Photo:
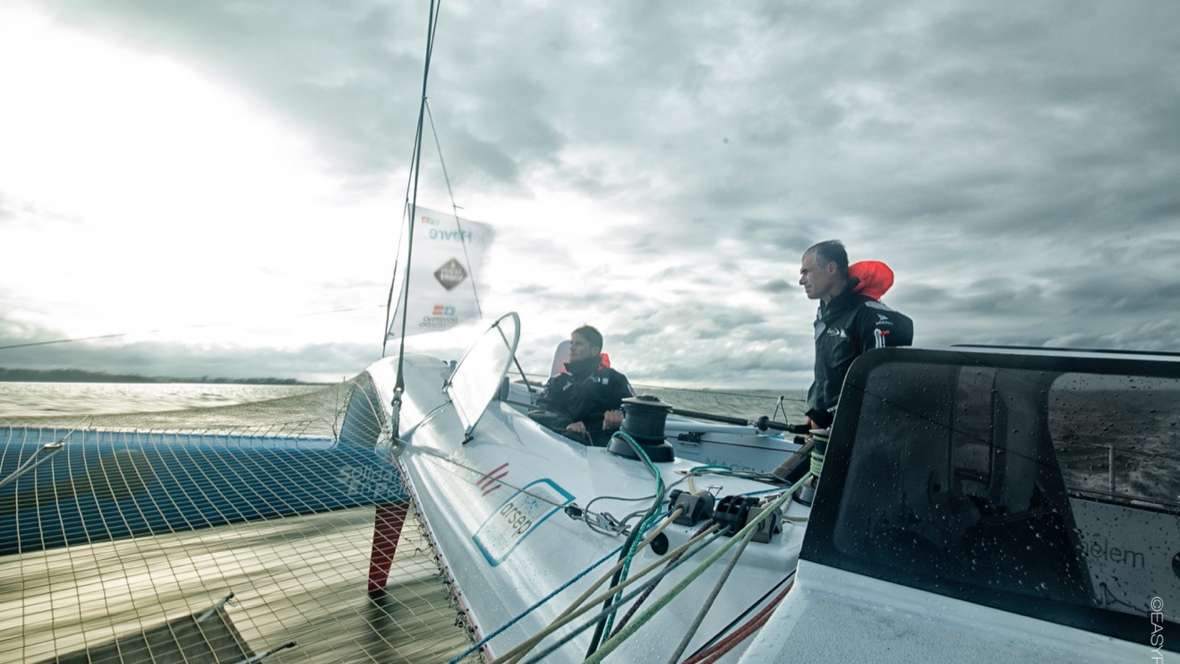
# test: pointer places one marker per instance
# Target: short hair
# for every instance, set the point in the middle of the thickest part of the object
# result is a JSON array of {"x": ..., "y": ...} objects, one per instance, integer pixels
[
  {"x": 593, "y": 336},
  {"x": 830, "y": 251}
]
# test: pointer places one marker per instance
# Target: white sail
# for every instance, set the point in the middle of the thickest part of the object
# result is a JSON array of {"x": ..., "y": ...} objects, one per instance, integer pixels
[{"x": 445, "y": 284}]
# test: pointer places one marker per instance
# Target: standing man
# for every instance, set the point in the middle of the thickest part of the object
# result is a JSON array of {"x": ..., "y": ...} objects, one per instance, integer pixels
[
  {"x": 589, "y": 394},
  {"x": 848, "y": 323}
]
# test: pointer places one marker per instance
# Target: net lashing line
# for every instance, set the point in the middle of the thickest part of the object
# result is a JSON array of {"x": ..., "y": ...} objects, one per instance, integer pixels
[{"x": 127, "y": 531}]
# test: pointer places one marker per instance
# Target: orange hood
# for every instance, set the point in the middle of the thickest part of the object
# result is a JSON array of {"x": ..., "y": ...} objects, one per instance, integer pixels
[{"x": 875, "y": 278}]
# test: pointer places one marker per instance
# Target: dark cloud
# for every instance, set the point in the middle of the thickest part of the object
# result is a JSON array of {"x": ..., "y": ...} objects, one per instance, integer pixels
[
  {"x": 1016, "y": 166},
  {"x": 777, "y": 286},
  {"x": 995, "y": 121}
]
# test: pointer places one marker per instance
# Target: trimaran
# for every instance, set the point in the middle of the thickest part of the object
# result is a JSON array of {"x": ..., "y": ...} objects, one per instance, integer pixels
[
  {"x": 969, "y": 504},
  {"x": 954, "y": 509}
]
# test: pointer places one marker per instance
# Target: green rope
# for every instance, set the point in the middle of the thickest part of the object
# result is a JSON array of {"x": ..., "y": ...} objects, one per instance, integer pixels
[
  {"x": 818, "y": 452},
  {"x": 817, "y": 463},
  {"x": 744, "y": 534},
  {"x": 644, "y": 526}
]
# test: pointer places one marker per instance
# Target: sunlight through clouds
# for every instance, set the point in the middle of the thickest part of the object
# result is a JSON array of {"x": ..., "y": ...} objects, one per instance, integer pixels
[{"x": 173, "y": 202}]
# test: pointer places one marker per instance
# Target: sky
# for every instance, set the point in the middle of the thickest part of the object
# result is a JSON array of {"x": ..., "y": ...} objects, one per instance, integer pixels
[{"x": 220, "y": 184}]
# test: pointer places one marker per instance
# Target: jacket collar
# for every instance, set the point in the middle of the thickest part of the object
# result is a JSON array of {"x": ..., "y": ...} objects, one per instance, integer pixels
[
  {"x": 584, "y": 366},
  {"x": 845, "y": 300}
]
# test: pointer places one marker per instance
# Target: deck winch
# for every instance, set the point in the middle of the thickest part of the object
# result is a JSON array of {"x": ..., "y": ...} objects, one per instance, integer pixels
[{"x": 643, "y": 419}]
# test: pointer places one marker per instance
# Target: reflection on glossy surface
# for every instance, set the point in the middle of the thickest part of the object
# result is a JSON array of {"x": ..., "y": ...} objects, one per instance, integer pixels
[{"x": 479, "y": 374}]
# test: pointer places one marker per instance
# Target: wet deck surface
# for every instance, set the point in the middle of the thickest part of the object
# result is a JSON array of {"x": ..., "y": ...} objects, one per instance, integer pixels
[{"x": 300, "y": 579}]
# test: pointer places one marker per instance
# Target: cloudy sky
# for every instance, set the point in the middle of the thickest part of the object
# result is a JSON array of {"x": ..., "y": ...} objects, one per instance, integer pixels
[{"x": 220, "y": 183}]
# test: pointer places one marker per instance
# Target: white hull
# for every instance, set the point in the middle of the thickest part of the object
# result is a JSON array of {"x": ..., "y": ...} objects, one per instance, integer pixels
[{"x": 504, "y": 559}]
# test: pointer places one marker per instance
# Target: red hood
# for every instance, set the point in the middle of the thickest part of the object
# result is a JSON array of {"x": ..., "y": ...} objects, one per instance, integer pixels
[{"x": 875, "y": 278}]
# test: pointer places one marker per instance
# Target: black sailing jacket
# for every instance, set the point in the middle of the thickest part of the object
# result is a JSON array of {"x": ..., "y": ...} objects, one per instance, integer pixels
[
  {"x": 586, "y": 393},
  {"x": 849, "y": 325}
]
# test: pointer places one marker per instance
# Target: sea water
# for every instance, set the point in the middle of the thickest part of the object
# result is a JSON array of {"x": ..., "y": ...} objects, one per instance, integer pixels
[
  {"x": 37, "y": 399},
  {"x": 43, "y": 399}
]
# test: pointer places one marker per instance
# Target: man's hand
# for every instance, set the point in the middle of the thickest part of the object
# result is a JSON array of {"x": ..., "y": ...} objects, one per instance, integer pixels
[
  {"x": 577, "y": 427},
  {"x": 611, "y": 419}
]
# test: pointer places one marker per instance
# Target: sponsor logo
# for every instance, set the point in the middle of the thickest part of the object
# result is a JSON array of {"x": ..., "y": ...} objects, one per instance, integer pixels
[
  {"x": 518, "y": 516},
  {"x": 491, "y": 479},
  {"x": 1102, "y": 549},
  {"x": 450, "y": 274},
  {"x": 437, "y": 322},
  {"x": 447, "y": 236},
  {"x": 442, "y": 310},
  {"x": 837, "y": 332},
  {"x": 367, "y": 481}
]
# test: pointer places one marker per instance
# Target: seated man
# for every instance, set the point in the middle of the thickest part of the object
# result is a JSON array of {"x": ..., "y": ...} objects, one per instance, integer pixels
[{"x": 587, "y": 395}]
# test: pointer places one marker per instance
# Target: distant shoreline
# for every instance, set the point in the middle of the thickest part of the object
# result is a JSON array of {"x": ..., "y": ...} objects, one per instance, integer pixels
[{"x": 81, "y": 376}]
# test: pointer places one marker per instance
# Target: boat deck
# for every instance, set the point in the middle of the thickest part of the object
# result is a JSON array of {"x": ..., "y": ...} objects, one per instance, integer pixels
[{"x": 299, "y": 579}]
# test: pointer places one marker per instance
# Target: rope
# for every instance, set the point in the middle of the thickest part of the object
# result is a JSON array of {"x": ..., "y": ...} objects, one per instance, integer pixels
[
  {"x": 817, "y": 463},
  {"x": 608, "y": 623},
  {"x": 587, "y": 599},
  {"x": 434, "y": 454},
  {"x": 635, "y": 606},
  {"x": 744, "y": 534},
  {"x": 699, "y": 543},
  {"x": 538, "y": 604},
  {"x": 721, "y": 632},
  {"x": 714, "y": 653},
  {"x": 708, "y": 604}
]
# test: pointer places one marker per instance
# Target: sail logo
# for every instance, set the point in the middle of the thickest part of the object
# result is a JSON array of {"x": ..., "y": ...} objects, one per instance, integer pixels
[
  {"x": 450, "y": 274},
  {"x": 458, "y": 236},
  {"x": 442, "y": 317}
]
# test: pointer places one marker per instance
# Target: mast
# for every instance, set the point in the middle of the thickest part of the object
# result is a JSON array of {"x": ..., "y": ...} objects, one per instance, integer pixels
[{"x": 415, "y": 169}]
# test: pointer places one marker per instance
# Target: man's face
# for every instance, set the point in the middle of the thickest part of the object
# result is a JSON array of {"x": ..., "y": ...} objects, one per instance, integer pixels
[
  {"x": 581, "y": 349},
  {"x": 816, "y": 281}
]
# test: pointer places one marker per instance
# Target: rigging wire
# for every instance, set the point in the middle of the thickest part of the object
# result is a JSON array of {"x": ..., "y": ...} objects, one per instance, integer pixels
[
  {"x": 431, "y": 27},
  {"x": 455, "y": 210},
  {"x": 397, "y": 256}
]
